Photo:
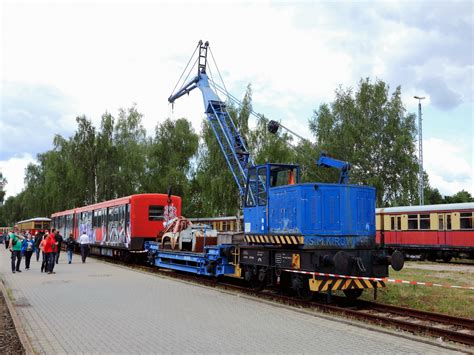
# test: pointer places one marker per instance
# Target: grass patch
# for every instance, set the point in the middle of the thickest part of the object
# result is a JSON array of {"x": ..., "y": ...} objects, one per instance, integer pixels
[
  {"x": 10, "y": 294},
  {"x": 455, "y": 302}
]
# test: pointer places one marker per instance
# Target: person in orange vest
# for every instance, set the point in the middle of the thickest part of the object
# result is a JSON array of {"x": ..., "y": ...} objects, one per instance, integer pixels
[{"x": 49, "y": 248}]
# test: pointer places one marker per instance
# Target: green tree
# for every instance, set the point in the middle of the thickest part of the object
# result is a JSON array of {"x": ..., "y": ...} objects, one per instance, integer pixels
[
  {"x": 267, "y": 147},
  {"x": 214, "y": 190},
  {"x": 459, "y": 197},
  {"x": 3, "y": 183},
  {"x": 131, "y": 146},
  {"x": 432, "y": 196},
  {"x": 371, "y": 129},
  {"x": 169, "y": 159},
  {"x": 107, "y": 160}
]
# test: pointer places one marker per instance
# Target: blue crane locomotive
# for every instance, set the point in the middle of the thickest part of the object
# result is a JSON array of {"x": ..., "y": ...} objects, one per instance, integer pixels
[{"x": 294, "y": 233}]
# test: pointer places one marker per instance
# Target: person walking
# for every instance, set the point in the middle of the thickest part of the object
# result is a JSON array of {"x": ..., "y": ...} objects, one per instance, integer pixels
[
  {"x": 6, "y": 240},
  {"x": 70, "y": 246},
  {"x": 39, "y": 236},
  {"x": 54, "y": 249},
  {"x": 84, "y": 242},
  {"x": 49, "y": 248},
  {"x": 27, "y": 249},
  {"x": 44, "y": 256},
  {"x": 15, "y": 248},
  {"x": 59, "y": 239}
]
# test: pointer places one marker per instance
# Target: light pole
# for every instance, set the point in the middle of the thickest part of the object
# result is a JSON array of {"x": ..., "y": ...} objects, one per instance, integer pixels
[{"x": 420, "y": 151}]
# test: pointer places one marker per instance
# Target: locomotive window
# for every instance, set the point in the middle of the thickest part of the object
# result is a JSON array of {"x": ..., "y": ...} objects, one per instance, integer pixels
[
  {"x": 251, "y": 190},
  {"x": 466, "y": 220},
  {"x": 262, "y": 182},
  {"x": 155, "y": 213},
  {"x": 282, "y": 175},
  {"x": 425, "y": 221},
  {"x": 412, "y": 221}
]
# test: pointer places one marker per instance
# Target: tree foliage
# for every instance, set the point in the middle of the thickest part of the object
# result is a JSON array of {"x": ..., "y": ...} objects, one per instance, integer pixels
[
  {"x": 368, "y": 127},
  {"x": 3, "y": 182},
  {"x": 371, "y": 129}
]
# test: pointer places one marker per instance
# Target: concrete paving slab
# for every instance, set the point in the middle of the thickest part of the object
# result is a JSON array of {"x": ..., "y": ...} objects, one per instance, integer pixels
[{"x": 98, "y": 307}]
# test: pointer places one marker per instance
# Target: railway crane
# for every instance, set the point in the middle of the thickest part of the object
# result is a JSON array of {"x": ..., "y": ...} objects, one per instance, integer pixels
[{"x": 295, "y": 233}]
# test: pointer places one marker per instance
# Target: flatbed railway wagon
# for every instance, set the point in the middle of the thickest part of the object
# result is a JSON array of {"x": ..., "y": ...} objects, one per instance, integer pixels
[
  {"x": 119, "y": 227},
  {"x": 431, "y": 232},
  {"x": 33, "y": 225}
]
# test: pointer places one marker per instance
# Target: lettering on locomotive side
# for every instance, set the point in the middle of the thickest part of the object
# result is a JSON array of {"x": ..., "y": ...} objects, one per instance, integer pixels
[
  {"x": 339, "y": 242},
  {"x": 284, "y": 259},
  {"x": 255, "y": 257}
]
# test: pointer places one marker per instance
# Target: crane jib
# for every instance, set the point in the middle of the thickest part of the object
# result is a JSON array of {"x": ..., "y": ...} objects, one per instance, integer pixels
[{"x": 230, "y": 140}]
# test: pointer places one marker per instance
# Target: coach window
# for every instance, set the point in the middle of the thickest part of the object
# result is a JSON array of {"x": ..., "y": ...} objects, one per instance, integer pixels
[
  {"x": 441, "y": 222},
  {"x": 392, "y": 223},
  {"x": 448, "y": 222},
  {"x": 425, "y": 221},
  {"x": 412, "y": 221},
  {"x": 155, "y": 213},
  {"x": 466, "y": 220}
]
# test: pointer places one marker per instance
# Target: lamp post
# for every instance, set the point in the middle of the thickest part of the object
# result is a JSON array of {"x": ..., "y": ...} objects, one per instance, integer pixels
[{"x": 420, "y": 151}]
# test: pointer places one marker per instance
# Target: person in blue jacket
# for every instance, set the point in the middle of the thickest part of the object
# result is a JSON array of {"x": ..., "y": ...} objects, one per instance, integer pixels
[{"x": 27, "y": 249}]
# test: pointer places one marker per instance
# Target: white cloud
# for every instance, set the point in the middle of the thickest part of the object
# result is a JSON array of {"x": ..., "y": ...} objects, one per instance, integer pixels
[
  {"x": 105, "y": 55},
  {"x": 447, "y": 166},
  {"x": 13, "y": 170}
]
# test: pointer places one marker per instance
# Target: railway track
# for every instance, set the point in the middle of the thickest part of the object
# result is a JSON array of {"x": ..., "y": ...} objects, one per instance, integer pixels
[{"x": 449, "y": 328}]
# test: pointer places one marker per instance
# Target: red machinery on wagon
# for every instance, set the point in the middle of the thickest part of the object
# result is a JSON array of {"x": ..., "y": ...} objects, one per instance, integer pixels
[
  {"x": 431, "y": 231},
  {"x": 119, "y": 226}
]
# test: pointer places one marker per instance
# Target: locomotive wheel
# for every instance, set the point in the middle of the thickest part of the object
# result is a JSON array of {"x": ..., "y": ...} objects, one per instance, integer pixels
[
  {"x": 447, "y": 258},
  {"x": 256, "y": 285},
  {"x": 301, "y": 286},
  {"x": 256, "y": 279},
  {"x": 305, "y": 293},
  {"x": 353, "y": 294}
]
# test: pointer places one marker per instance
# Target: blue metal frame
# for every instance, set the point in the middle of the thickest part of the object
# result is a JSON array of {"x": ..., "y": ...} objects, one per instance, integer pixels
[
  {"x": 213, "y": 262},
  {"x": 327, "y": 162}
]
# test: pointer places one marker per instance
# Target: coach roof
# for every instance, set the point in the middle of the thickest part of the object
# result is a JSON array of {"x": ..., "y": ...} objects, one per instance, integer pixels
[{"x": 428, "y": 208}]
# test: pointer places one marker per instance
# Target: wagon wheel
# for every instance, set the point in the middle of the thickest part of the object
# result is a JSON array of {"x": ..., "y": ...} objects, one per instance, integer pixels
[
  {"x": 353, "y": 294},
  {"x": 447, "y": 258},
  {"x": 166, "y": 243}
]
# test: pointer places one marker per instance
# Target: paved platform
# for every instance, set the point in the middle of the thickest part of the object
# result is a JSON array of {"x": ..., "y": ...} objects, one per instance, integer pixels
[{"x": 101, "y": 308}]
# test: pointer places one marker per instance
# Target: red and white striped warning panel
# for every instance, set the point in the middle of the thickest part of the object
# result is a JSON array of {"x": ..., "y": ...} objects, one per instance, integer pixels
[{"x": 379, "y": 279}]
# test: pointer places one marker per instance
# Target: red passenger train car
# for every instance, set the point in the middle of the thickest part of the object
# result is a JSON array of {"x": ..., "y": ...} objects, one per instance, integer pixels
[
  {"x": 431, "y": 231},
  {"x": 119, "y": 226}
]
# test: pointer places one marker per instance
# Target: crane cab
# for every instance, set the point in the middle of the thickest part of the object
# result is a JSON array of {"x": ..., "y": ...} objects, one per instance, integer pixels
[{"x": 260, "y": 180}]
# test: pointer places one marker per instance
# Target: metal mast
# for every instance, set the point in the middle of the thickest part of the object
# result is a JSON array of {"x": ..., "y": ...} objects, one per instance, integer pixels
[{"x": 420, "y": 151}]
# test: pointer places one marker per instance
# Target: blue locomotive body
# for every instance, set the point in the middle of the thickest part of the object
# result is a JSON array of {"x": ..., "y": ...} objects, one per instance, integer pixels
[{"x": 318, "y": 215}]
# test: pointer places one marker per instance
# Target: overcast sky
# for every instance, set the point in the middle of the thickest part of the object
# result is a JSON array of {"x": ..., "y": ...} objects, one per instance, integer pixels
[{"x": 62, "y": 59}]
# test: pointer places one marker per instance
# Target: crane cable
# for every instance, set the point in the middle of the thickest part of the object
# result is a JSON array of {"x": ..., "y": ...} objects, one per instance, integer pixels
[{"x": 186, "y": 67}]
